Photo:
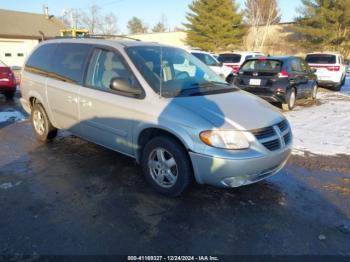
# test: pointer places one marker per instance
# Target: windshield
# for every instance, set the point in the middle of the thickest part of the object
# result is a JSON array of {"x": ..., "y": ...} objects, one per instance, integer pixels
[
  {"x": 179, "y": 73},
  {"x": 230, "y": 58},
  {"x": 206, "y": 59},
  {"x": 321, "y": 59},
  {"x": 262, "y": 65}
]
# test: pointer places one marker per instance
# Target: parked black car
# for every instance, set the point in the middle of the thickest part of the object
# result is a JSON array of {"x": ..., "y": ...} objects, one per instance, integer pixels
[{"x": 282, "y": 79}]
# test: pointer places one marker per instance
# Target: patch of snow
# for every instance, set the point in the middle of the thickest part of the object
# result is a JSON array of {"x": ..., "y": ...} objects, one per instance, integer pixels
[
  {"x": 11, "y": 116},
  {"x": 9, "y": 185},
  {"x": 324, "y": 128}
]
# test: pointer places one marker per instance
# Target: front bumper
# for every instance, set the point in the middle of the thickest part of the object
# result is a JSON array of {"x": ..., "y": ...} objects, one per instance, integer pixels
[{"x": 235, "y": 172}]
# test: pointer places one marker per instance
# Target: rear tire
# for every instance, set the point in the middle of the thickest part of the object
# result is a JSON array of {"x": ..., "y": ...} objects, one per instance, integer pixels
[
  {"x": 290, "y": 99},
  {"x": 42, "y": 126},
  {"x": 10, "y": 95},
  {"x": 230, "y": 79},
  {"x": 314, "y": 92},
  {"x": 166, "y": 166},
  {"x": 337, "y": 87}
]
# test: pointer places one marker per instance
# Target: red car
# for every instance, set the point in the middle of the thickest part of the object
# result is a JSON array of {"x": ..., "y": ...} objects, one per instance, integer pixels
[{"x": 8, "y": 81}]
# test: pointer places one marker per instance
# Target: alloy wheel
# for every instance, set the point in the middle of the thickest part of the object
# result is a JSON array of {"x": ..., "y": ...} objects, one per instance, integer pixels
[{"x": 163, "y": 168}]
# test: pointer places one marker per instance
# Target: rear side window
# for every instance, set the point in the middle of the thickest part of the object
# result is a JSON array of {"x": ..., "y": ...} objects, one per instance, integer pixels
[
  {"x": 321, "y": 59},
  {"x": 229, "y": 58},
  {"x": 262, "y": 65},
  {"x": 39, "y": 61},
  {"x": 68, "y": 62}
]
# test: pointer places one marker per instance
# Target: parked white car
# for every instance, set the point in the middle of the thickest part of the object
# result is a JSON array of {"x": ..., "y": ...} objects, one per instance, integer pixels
[
  {"x": 236, "y": 59},
  {"x": 209, "y": 59},
  {"x": 330, "y": 69}
]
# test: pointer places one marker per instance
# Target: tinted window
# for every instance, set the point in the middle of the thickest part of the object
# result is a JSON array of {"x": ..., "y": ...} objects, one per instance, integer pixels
[
  {"x": 295, "y": 65},
  {"x": 304, "y": 66},
  {"x": 262, "y": 65},
  {"x": 40, "y": 58},
  {"x": 230, "y": 58},
  {"x": 206, "y": 59},
  {"x": 68, "y": 62},
  {"x": 321, "y": 59},
  {"x": 106, "y": 65}
]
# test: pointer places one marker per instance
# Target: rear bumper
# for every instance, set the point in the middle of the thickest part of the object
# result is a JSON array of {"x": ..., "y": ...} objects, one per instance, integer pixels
[
  {"x": 327, "y": 83},
  {"x": 26, "y": 106},
  {"x": 7, "y": 87},
  {"x": 270, "y": 95}
]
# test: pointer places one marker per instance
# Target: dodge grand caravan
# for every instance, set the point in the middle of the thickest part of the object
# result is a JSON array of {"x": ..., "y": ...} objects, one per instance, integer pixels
[{"x": 131, "y": 97}]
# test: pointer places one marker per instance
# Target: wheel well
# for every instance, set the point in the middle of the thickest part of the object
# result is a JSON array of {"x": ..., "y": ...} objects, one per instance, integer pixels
[
  {"x": 150, "y": 133},
  {"x": 32, "y": 101}
]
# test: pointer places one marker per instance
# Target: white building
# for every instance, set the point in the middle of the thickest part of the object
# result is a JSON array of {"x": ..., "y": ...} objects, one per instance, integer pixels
[{"x": 20, "y": 32}]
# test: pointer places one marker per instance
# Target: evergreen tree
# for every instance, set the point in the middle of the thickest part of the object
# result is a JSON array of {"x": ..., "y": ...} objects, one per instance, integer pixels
[
  {"x": 136, "y": 26},
  {"x": 161, "y": 26},
  {"x": 325, "y": 25},
  {"x": 214, "y": 25}
]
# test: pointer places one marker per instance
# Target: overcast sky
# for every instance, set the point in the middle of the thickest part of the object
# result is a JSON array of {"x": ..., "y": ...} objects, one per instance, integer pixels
[{"x": 149, "y": 10}]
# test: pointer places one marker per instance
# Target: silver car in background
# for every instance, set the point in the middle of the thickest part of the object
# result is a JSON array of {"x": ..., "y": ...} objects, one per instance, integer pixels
[{"x": 159, "y": 105}]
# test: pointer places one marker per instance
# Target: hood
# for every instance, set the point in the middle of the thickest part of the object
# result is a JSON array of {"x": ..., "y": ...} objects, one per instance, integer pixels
[{"x": 236, "y": 110}]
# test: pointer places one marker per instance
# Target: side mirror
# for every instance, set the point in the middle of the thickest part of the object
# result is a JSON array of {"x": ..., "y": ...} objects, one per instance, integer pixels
[
  {"x": 122, "y": 85},
  {"x": 313, "y": 70}
]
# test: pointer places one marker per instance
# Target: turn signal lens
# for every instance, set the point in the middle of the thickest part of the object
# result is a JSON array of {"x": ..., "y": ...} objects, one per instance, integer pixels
[{"x": 233, "y": 140}]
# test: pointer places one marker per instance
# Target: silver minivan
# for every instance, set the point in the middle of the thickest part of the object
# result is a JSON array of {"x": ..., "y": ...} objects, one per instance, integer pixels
[{"x": 159, "y": 105}]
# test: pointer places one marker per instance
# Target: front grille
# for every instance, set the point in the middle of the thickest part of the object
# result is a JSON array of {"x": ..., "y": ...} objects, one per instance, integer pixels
[
  {"x": 283, "y": 125},
  {"x": 273, "y": 144},
  {"x": 274, "y": 137},
  {"x": 264, "y": 132}
]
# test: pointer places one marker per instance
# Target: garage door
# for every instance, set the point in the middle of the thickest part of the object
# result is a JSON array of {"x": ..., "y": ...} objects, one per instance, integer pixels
[{"x": 13, "y": 53}]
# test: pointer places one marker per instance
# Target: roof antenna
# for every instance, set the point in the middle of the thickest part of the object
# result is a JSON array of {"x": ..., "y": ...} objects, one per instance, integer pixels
[{"x": 161, "y": 72}]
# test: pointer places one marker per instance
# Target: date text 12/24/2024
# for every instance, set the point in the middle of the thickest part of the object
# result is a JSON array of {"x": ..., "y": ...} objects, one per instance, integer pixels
[{"x": 173, "y": 258}]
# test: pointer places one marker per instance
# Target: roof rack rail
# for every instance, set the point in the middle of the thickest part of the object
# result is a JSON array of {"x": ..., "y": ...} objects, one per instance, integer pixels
[{"x": 98, "y": 36}]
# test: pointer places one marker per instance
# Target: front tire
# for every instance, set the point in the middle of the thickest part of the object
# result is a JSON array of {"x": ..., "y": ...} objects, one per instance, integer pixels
[
  {"x": 166, "y": 166},
  {"x": 290, "y": 100},
  {"x": 42, "y": 126}
]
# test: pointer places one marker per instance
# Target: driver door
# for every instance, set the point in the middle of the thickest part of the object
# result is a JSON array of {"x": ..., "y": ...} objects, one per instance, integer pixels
[{"x": 106, "y": 116}]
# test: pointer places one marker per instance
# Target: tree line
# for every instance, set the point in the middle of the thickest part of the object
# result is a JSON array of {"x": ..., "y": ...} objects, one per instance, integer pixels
[
  {"x": 216, "y": 25},
  {"x": 99, "y": 23}
]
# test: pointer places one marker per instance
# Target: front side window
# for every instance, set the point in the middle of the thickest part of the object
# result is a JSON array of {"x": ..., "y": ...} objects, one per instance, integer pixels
[
  {"x": 174, "y": 72},
  {"x": 105, "y": 65}
]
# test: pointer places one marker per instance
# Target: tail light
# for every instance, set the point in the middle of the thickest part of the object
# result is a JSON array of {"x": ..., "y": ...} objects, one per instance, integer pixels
[
  {"x": 235, "y": 68},
  {"x": 283, "y": 74},
  {"x": 333, "y": 68}
]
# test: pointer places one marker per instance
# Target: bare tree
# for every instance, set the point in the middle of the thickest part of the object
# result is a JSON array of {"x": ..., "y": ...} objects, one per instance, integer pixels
[
  {"x": 91, "y": 19},
  {"x": 109, "y": 25},
  {"x": 260, "y": 15}
]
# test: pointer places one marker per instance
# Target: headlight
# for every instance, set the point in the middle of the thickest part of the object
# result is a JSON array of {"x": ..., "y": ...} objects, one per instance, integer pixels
[{"x": 224, "y": 139}]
